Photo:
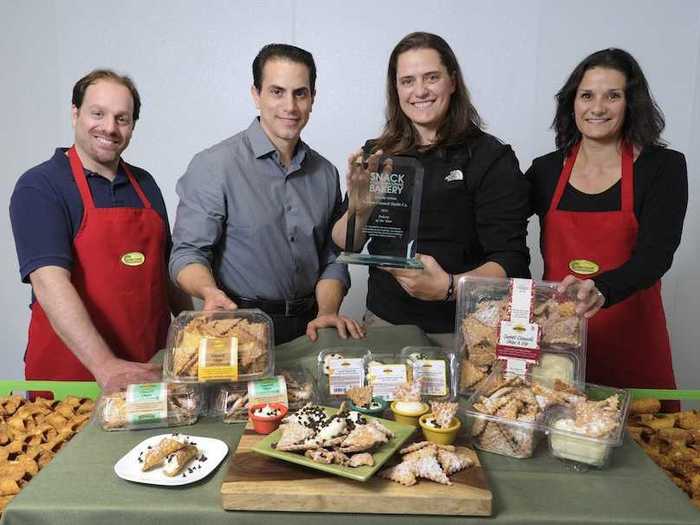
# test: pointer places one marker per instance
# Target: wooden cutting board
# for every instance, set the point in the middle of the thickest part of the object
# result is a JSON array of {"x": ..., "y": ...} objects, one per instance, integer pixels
[{"x": 256, "y": 482}]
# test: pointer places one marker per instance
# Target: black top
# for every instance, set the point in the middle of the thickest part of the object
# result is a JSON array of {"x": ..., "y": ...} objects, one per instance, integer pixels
[
  {"x": 473, "y": 210},
  {"x": 660, "y": 201}
]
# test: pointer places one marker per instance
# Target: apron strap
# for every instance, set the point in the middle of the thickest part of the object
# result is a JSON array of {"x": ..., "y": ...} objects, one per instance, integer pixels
[
  {"x": 565, "y": 175},
  {"x": 80, "y": 179},
  {"x": 137, "y": 187},
  {"x": 627, "y": 182}
]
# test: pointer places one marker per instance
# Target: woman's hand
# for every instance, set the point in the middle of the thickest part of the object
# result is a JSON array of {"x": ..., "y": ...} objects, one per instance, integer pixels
[
  {"x": 357, "y": 182},
  {"x": 428, "y": 284},
  {"x": 588, "y": 298}
]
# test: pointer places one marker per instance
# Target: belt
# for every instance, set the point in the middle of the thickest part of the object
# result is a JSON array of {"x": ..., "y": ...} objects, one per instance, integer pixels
[{"x": 289, "y": 308}]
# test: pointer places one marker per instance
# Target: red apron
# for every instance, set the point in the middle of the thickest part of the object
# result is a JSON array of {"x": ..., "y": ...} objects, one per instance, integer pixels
[
  {"x": 119, "y": 273},
  {"x": 628, "y": 344}
]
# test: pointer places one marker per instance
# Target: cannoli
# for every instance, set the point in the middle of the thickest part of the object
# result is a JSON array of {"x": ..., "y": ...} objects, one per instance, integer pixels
[
  {"x": 179, "y": 460},
  {"x": 155, "y": 457}
]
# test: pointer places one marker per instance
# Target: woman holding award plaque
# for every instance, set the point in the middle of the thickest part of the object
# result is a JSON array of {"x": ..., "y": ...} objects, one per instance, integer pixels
[{"x": 474, "y": 204}]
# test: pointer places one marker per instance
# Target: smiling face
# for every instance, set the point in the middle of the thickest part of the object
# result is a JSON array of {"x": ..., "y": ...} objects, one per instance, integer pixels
[
  {"x": 284, "y": 100},
  {"x": 599, "y": 107},
  {"x": 424, "y": 88},
  {"x": 103, "y": 126}
]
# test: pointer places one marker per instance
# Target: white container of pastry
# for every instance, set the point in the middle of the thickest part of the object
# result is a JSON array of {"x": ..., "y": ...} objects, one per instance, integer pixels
[
  {"x": 438, "y": 367},
  {"x": 587, "y": 435},
  {"x": 219, "y": 346},
  {"x": 482, "y": 305},
  {"x": 340, "y": 369},
  {"x": 151, "y": 405}
]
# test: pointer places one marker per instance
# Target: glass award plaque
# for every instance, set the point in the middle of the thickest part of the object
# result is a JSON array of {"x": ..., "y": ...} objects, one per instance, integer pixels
[{"x": 383, "y": 211}]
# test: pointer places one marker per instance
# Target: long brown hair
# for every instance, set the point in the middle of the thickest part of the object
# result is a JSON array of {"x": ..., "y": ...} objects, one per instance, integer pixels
[{"x": 462, "y": 120}]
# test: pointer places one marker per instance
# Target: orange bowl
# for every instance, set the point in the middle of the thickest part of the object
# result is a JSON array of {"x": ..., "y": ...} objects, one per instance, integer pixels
[{"x": 266, "y": 424}]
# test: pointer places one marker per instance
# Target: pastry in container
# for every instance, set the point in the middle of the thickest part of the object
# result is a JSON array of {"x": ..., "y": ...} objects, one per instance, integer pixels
[
  {"x": 219, "y": 346},
  {"x": 435, "y": 368},
  {"x": 339, "y": 370},
  {"x": 150, "y": 405},
  {"x": 503, "y": 416},
  {"x": 484, "y": 303},
  {"x": 587, "y": 432}
]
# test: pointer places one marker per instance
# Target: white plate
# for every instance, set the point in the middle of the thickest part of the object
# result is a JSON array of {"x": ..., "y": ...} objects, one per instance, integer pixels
[{"x": 211, "y": 453}]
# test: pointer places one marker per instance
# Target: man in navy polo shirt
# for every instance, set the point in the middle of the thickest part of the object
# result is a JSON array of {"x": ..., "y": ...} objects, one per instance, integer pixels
[{"x": 92, "y": 238}]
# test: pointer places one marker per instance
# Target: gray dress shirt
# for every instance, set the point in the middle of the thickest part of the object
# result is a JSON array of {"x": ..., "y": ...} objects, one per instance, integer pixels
[{"x": 265, "y": 232}]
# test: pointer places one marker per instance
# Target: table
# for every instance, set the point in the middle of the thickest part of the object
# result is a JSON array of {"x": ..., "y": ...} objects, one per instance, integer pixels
[{"x": 79, "y": 487}]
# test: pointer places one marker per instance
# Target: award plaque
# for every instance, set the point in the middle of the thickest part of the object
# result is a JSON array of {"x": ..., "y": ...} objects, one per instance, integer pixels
[{"x": 383, "y": 211}]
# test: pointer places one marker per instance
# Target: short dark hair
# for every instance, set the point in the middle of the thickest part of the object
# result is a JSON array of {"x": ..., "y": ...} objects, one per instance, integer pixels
[
  {"x": 462, "y": 119},
  {"x": 284, "y": 52},
  {"x": 644, "y": 120},
  {"x": 106, "y": 74}
]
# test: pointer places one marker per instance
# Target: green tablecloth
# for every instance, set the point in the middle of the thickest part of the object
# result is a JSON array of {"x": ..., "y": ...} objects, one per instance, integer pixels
[{"x": 79, "y": 487}]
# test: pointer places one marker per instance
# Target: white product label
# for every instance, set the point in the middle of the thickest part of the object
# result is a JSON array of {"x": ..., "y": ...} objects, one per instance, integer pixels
[
  {"x": 345, "y": 374},
  {"x": 432, "y": 373},
  {"x": 385, "y": 379}
]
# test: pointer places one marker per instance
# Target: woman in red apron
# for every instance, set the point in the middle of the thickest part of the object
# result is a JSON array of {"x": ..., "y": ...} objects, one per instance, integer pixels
[
  {"x": 611, "y": 203},
  {"x": 119, "y": 274}
]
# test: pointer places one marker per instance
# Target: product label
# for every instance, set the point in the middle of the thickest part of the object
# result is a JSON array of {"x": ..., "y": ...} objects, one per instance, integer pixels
[
  {"x": 345, "y": 374},
  {"x": 385, "y": 379},
  {"x": 268, "y": 390},
  {"x": 218, "y": 359},
  {"x": 433, "y": 376},
  {"x": 518, "y": 337},
  {"x": 146, "y": 403}
]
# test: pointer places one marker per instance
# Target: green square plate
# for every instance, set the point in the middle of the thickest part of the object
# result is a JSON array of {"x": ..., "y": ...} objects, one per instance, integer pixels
[{"x": 402, "y": 433}]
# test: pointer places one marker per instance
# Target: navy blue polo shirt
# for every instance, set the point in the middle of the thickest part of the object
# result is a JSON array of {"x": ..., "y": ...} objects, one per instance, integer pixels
[{"x": 46, "y": 209}]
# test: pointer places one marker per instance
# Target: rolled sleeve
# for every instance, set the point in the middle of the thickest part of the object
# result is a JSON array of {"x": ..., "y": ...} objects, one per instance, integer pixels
[
  {"x": 200, "y": 217},
  {"x": 502, "y": 208}
]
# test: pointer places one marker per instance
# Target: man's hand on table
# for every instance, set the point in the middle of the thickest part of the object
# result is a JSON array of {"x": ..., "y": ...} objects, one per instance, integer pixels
[{"x": 343, "y": 324}]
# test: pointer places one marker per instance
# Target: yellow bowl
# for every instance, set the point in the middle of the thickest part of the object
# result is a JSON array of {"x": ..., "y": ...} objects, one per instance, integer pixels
[
  {"x": 408, "y": 418},
  {"x": 441, "y": 436}
]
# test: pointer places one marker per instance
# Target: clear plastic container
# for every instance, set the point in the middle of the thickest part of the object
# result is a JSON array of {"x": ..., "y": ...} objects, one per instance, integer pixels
[
  {"x": 340, "y": 369},
  {"x": 591, "y": 442},
  {"x": 206, "y": 337},
  {"x": 152, "y": 405},
  {"x": 438, "y": 369},
  {"x": 482, "y": 304},
  {"x": 510, "y": 430},
  {"x": 301, "y": 388},
  {"x": 229, "y": 402}
]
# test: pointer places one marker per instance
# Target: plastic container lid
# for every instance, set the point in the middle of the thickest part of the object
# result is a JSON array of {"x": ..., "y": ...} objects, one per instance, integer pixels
[
  {"x": 201, "y": 344},
  {"x": 482, "y": 304},
  {"x": 438, "y": 368},
  {"x": 340, "y": 369}
]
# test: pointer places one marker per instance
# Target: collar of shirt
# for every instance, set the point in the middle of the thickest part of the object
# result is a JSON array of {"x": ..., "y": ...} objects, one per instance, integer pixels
[
  {"x": 118, "y": 180},
  {"x": 263, "y": 146}
]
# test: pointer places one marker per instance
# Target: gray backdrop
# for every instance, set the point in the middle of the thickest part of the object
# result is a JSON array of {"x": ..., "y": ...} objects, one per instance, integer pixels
[{"x": 191, "y": 61}]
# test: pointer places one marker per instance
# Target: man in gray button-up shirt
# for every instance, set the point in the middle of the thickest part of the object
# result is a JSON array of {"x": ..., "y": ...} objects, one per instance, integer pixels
[{"x": 255, "y": 213}]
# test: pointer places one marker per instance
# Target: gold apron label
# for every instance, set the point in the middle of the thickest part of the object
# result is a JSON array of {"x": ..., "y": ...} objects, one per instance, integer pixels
[
  {"x": 133, "y": 259},
  {"x": 583, "y": 267}
]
